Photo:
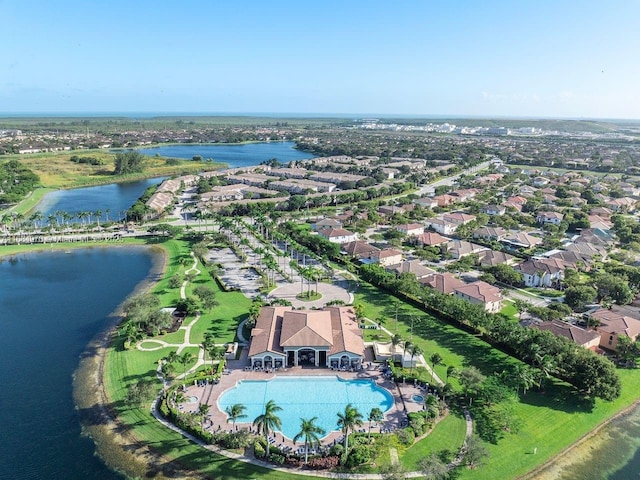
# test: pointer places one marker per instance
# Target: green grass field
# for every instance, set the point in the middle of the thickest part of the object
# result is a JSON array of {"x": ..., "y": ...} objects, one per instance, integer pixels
[{"x": 551, "y": 420}]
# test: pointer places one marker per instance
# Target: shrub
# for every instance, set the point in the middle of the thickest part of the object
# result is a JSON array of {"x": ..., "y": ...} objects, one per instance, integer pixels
[
  {"x": 337, "y": 450},
  {"x": 326, "y": 463},
  {"x": 258, "y": 449},
  {"x": 277, "y": 458},
  {"x": 406, "y": 436},
  {"x": 358, "y": 455}
]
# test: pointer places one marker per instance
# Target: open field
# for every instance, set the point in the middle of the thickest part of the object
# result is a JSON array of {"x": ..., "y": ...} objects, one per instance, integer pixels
[{"x": 56, "y": 170}]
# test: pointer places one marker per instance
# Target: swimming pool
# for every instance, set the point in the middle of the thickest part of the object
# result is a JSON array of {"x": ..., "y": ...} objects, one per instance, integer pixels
[{"x": 306, "y": 397}]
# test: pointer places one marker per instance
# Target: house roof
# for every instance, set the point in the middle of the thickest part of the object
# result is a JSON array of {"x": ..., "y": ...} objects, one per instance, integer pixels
[
  {"x": 533, "y": 266},
  {"x": 489, "y": 232},
  {"x": 481, "y": 291},
  {"x": 411, "y": 266},
  {"x": 332, "y": 327},
  {"x": 493, "y": 257},
  {"x": 386, "y": 253},
  {"x": 618, "y": 321},
  {"x": 522, "y": 239},
  {"x": 335, "y": 232},
  {"x": 442, "y": 282},
  {"x": 431, "y": 238},
  {"x": 302, "y": 328},
  {"x": 577, "y": 335},
  {"x": 358, "y": 249},
  {"x": 458, "y": 217}
]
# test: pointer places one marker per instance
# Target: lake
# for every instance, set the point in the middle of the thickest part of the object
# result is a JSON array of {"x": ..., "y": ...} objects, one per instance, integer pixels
[
  {"x": 53, "y": 304},
  {"x": 243, "y": 155},
  {"x": 116, "y": 197}
]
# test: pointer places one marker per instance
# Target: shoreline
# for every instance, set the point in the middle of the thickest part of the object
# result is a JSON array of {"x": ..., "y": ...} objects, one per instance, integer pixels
[
  {"x": 575, "y": 452},
  {"x": 115, "y": 444}
]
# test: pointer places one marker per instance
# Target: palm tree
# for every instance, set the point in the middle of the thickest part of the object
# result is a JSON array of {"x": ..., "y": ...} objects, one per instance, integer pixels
[
  {"x": 310, "y": 432},
  {"x": 268, "y": 422},
  {"x": 451, "y": 372},
  {"x": 415, "y": 350},
  {"x": 436, "y": 359},
  {"x": 375, "y": 415},
  {"x": 347, "y": 420},
  {"x": 235, "y": 412},
  {"x": 185, "y": 359}
]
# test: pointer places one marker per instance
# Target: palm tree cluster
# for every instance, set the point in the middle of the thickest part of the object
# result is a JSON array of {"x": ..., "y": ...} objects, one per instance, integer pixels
[{"x": 310, "y": 433}]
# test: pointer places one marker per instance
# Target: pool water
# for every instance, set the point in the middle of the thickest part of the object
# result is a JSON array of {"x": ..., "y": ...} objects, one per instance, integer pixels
[
  {"x": 306, "y": 397},
  {"x": 418, "y": 398}
]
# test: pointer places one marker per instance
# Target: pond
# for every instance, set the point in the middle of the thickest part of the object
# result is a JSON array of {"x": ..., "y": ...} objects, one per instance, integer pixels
[{"x": 241, "y": 155}]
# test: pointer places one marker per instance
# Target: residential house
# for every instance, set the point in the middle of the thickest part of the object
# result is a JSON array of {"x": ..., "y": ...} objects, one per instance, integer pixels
[
  {"x": 622, "y": 205},
  {"x": 489, "y": 233},
  {"x": 442, "y": 282},
  {"x": 411, "y": 266},
  {"x": 326, "y": 223},
  {"x": 521, "y": 240},
  {"x": 458, "y": 218},
  {"x": 481, "y": 293},
  {"x": 553, "y": 218},
  {"x": 491, "y": 258},
  {"x": 429, "y": 239},
  {"x": 359, "y": 249},
  {"x": 542, "y": 272},
  {"x": 494, "y": 210},
  {"x": 446, "y": 200},
  {"x": 461, "y": 248},
  {"x": 585, "y": 338},
  {"x": 387, "y": 256},
  {"x": 411, "y": 229},
  {"x": 440, "y": 226},
  {"x": 615, "y": 323},
  {"x": 338, "y": 235}
]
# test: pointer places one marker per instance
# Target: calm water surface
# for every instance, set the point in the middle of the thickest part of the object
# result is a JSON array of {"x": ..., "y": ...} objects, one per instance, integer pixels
[
  {"x": 117, "y": 197},
  {"x": 52, "y": 304},
  {"x": 245, "y": 155}
]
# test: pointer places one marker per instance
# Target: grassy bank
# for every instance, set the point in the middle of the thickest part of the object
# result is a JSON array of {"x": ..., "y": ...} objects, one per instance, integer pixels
[{"x": 56, "y": 170}]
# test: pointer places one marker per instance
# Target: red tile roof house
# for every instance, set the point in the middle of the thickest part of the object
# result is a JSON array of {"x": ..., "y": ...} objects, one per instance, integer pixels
[
  {"x": 338, "y": 235},
  {"x": 430, "y": 239},
  {"x": 442, "y": 282},
  {"x": 481, "y": 293},
  {"x": 615, "y": 323},
  {"x": 284, "y": 337}
]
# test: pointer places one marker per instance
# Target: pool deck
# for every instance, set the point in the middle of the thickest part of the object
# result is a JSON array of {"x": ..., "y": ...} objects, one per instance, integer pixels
[{"x": 209, "y": 394}]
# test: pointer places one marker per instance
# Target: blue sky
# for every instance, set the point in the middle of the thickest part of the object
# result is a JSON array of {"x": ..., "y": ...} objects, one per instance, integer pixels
[{"x": 577, "y": 59}]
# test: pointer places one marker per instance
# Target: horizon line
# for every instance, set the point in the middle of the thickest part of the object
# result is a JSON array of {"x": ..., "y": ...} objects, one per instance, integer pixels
[{"x": 311, "y": 115}]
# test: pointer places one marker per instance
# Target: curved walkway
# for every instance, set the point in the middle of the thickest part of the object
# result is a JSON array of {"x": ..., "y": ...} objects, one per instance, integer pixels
[{"x": 186, "y": 342}]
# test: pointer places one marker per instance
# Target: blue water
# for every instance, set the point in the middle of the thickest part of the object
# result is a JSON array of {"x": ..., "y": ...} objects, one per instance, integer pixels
[
  {"x": 244, "y": 155},
  {"x": 51, "y": 305},
  {"x": 306, "y": 397},
  {"x": 117, "y": 197}
]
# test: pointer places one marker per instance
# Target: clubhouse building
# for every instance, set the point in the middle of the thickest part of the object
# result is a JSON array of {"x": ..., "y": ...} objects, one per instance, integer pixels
[{"x": 284, "y": 337}]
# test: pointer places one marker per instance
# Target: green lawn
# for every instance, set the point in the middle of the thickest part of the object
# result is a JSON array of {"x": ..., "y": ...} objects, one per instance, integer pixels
[
  {"x": 551, "y": 420},
  {"x": 509, "y": 310},
  {"x": 448, "y": 434}
]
